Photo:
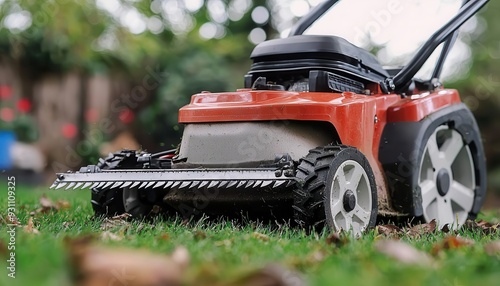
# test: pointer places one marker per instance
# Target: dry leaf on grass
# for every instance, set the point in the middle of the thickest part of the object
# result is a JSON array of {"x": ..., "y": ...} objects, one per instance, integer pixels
[
  {"x": 316, "y": 257},
  {"x": 100, "y": 266},
  {"x": 492, "y": 248},
  {"x": 272, "y": 275},
  {"x": 403, "y": 252},
  {"x": 337, "y": 239},
  {"x": 47, "y": 205},
  {"x": 483, "y": 226},
  {"x": 451, "y": 242},
  {"x": 3, "y": 249},
  {"x": 225, "y": 242},
  {"x": 30, "y": 227},
  {"x": 389, "y": 230},
  {"x": 260, "y": 236},
  {"x": 422, "y": 229},
  {"x": 116, "y": 221},
  {"x": 199, "y": 235},
  {"x": 12, "y": 219},
  {"x": 106, "y": 235}
]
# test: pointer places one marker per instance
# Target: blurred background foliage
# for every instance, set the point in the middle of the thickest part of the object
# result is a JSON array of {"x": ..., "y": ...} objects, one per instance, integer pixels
[{"x": 197, "y": 45}]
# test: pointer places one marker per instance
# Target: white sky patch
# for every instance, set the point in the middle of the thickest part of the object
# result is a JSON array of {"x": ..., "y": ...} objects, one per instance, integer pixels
[
  {"x": 314, "y": 2},
  {"x": 106, "y": 41},
  {"x": 208, "y": 30},
  {"x": 396, "y": 25},
  {"x": 113, "y": 7},
  {"x": 257, "y": 36},
  {"x": 217, "y": 11},
  {"x": 133, "y": 20},
  {"x": 299, "y": 8},
  {"x": 193, "y": 5},
  {"x": 156, "y": 6},
  {"x": 260, "y": 15},
  {"x": 155, "y": 25},
  {"x": 238, "y": 8},
  {"x": 18, "y": 21}
]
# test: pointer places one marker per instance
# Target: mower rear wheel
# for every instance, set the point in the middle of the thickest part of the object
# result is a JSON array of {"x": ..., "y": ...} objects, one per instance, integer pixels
[
  {"x": 339, "y": 190},
  {"x": 447, "y": 178}
]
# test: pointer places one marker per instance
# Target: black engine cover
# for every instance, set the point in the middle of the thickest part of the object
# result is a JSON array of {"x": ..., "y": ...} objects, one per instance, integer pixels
[{"x": 295, "y": 56}]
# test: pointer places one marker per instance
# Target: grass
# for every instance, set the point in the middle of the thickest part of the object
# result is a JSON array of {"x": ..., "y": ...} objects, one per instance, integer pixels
[{"x": 222, "y": 251}]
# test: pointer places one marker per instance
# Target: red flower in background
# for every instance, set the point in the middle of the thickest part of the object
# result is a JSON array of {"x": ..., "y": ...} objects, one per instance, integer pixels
[
  {"x": 69, "y": 130},
  {"x": 7, "y": 114},
  {"x": 24, "y": 105},
  {"x": 91, "y": 115},
  {"x": 126, "y": 116},
  {"x": 5, "y": 92}
]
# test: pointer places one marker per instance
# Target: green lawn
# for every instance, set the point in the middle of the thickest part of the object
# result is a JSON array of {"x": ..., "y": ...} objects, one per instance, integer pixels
[{"x": 224, "y": 252}]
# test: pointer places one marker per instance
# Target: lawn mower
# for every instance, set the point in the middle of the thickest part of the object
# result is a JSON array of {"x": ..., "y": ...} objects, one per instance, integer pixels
[{"x": 321, "y": 133}]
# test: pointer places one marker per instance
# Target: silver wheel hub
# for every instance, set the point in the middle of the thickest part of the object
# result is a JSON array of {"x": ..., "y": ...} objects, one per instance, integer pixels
[
  {"x": 350, "y": 198},
  {"x": 447, "y": 179}
]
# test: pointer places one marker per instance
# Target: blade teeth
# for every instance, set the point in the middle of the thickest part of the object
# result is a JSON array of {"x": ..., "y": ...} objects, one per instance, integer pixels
[
  {"x": 257, "y": 184},
  {"x": 86, "y": 185},
  {"x": 71, "y": 185},
  {"x": 204, "y": 183},
  {"x": 77, "y": 185},
  {"x": 53, "y": 185},
  {"x": 106, "y": 185},
  {"x": 232, "y": 184},
  {"x": 94, "y": 185},
  {"x": 150, "y": 184},
  {"x": 223, "y": 183},
  {"x": 135, "y": 184},
  {"x": 176, "y": 183},
  {"x": 241, "y": 184},
  {"x": 194, "y": 184},
  {"x": 101, "y": 184},
  {"x": 278, "y": 183},
  {"x": 116, "y": 185},
  {"x": 126, "y": 184},
  {"x": 290, "y": 183},
  {"x": 61, "y": 185},
  {"x": 213, "y": 184},
  {"x": 159, "y": 184},
  {"x": 143, "y": 185},
  {"x": 184, "y": 184},
  {"x": 249, "y": 184},
  {"x": 169, "y": 183},
  {"x": 266, "y": 183}
]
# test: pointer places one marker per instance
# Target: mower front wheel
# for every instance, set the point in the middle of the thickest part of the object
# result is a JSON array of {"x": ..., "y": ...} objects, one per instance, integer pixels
[
  {"x": 107, "y": 203},
  {"x": 338, "y": 191},
  {"x": 136, "y": 202}
]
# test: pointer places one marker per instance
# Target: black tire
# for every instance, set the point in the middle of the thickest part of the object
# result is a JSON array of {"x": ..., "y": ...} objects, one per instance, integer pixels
[
  {"x": 312, "y": 200},
  {"x": 402, "y": 150},
  {"x": 137, "y": 204},
  {"x": 107, "y": 203}
]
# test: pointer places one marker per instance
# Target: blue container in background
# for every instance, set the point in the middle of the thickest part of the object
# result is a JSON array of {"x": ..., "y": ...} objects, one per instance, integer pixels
[{"x": 7, "y": 138}]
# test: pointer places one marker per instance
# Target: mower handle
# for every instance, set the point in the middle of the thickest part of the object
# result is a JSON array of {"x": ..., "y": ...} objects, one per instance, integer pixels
[{"x": 409, "y": 71}]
